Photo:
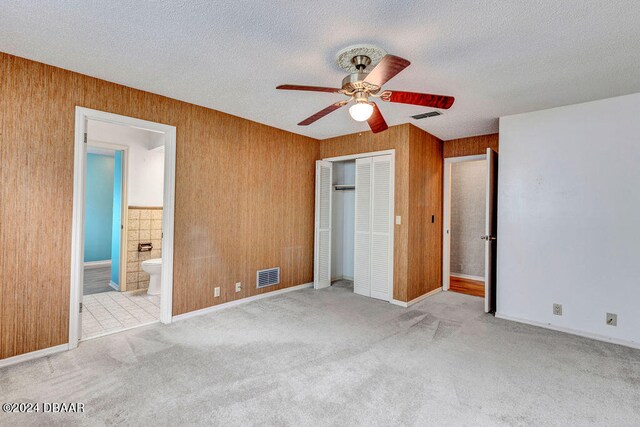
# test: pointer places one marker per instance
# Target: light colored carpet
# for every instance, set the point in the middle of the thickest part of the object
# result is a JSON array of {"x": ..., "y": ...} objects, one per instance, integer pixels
[{"x": 331, "y": 357}]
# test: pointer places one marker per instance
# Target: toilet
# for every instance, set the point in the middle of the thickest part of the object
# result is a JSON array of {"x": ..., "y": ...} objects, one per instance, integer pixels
[{"x": 154, "y": 268}]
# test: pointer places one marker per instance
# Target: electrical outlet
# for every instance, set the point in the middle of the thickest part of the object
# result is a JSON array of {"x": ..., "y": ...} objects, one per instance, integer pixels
[
  {"x": 557, "y": 309},
  {"x": 238, "y": 286},
  {"x": 216, "y": 291},
  {"x": 612, "y": 319}
]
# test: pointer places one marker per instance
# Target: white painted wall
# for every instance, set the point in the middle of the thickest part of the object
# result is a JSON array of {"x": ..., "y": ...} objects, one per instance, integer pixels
[
  {"x": 343, "y": 217},
  {"x": 569, "y": 217},
  {"x": 146, "y": 160}
]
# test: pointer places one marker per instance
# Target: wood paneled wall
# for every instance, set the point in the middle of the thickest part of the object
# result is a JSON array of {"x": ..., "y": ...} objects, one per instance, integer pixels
[
  {"x": 418, "y": 193},
  {"x": 244, "y": 198},
  {"x": 470, "y": 146},
  {"x": 425, "y": 201}
]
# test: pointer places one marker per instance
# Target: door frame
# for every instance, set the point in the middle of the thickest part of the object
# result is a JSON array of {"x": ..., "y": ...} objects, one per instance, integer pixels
[
  {"x": 446, "y": 220},
  {"x": 392, "y": 199},
  {"x": 82, "y": 115},
  {"x": 123, "y": 204}
]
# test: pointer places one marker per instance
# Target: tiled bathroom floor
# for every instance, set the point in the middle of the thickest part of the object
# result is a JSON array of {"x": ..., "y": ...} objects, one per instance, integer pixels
[{"x": 108, "y": 312}]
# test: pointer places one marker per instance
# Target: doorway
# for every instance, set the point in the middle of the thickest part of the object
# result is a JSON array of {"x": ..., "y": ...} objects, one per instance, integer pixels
[
  {"x": 469, "y": 226},
  {"x": 123, "y": 204},
  {"x": 353, "y": 246}
]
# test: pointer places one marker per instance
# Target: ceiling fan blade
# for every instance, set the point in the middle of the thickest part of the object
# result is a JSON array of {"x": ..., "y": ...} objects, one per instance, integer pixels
[
  {"x": 320, "y": 114},
  {"x": 309, "y": 88},
  {"x": 386, "y": 69},
  {"x": 376, "y": 121},
  {"x": 424, "y": 99}
]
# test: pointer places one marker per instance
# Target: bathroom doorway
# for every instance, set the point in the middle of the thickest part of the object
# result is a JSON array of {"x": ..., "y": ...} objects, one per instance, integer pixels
[{"x": 122, "y": 253}]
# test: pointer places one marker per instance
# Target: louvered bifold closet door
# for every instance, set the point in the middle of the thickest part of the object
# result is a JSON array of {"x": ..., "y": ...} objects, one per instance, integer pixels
[
  {"x": 322, "y": 241},
  {"x": 381, "y": 223},
  {"x": 362, "y": 240}
]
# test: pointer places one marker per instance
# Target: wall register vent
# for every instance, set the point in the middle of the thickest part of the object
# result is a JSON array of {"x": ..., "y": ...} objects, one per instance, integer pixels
[
  {"x": 268, "y": 277},
  {"x": 425, "y": 115}
]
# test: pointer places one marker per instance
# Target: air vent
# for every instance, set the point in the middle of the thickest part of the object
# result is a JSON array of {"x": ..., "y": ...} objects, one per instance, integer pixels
[
  {"x": 425, "y": 115},
  {"x": 268, "y": 277}
]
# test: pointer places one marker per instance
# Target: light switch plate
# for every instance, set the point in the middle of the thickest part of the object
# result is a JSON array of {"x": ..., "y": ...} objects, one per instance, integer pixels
[
  {"x": 398, "y": 220},
  {"x": 612, "y": 319},
  {"x": 216, "y": 291},
  {"x": 238, "y": 286}
]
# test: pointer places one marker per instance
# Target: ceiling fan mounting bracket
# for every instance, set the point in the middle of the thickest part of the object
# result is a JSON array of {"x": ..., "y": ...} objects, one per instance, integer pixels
[
  {"x": 351, "y": 58},
  {"x": 361, "y": 62}
]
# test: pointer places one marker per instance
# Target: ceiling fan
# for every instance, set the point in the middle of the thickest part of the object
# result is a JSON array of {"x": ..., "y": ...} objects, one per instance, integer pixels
[{"x": 362, "y": 84}]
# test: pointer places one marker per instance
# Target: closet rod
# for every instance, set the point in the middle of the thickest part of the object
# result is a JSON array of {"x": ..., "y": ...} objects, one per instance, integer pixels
[{"x": 342, "y": 187}]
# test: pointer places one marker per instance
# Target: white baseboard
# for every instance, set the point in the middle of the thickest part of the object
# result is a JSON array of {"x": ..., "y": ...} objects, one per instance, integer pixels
[
  {"x": 415, "y": 300},
  {"x": 33, "y": 355},
  {"x": 97, "y": 264},
  {"x": 596, "y": 337},
  {"x": 114, "y": 286},
  {"x": 467, "y": 276},
  {"x": 240, "y": 301}
]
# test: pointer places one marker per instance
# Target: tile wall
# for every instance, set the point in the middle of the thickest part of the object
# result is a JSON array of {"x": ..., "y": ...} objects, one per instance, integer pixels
[{"x": 144, "y": 226}]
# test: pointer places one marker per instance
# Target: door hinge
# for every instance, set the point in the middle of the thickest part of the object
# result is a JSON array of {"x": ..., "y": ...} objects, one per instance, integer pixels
[
  {"x": 80, "y": 307},
  {"x": 85, "y": 137}
]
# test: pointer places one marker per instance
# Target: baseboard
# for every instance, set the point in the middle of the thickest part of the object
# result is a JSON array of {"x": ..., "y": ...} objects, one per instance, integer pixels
[
  {"x": 114, "y": 286},
  {"x": 240, "y": 301},
  {"x": 579, "y": 333},
  {"x": 415, "y": 300},
  {"x": 33, "y": 355},
  {"x": 97, "y": 264},
  {"x": 467, "y": 276}
]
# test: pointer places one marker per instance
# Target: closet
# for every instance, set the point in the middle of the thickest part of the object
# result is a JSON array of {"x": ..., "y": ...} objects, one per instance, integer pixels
[{"x": 354, "y": 224}]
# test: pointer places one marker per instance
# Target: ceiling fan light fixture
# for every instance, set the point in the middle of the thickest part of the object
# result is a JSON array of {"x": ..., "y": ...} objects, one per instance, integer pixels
[{"x": 361, "y": 111}]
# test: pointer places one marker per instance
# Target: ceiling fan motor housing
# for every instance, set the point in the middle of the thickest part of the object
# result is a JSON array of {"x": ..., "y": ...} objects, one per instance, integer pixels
[{"x": 355, "y": 83}]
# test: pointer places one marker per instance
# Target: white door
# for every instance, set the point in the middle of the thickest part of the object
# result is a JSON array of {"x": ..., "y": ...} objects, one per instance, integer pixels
[
  {"x": 381, "y": 223},
  {"x": 490, "y": 232},
  {"x": 322, "y": 240},
  {"x": 362, "y": 239}
]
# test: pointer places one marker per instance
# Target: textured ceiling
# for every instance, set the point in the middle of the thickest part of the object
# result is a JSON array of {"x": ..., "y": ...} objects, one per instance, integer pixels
[{"x": 496, "y": 57}]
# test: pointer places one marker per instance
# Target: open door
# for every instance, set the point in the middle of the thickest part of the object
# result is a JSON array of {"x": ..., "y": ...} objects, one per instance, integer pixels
[
  {"x": 322, "y": 241},
  {"x": 490, "y": 233}
]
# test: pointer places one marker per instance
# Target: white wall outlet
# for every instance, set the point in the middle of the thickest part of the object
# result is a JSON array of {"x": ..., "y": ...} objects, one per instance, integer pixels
[
  {"x": 216, "y": 291},
  {"x": 612, "y": 319},
  {"x": 398, "y": 220},
  {"x": 557, "y": 309},
  {"x": 238, "y": 286}
]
